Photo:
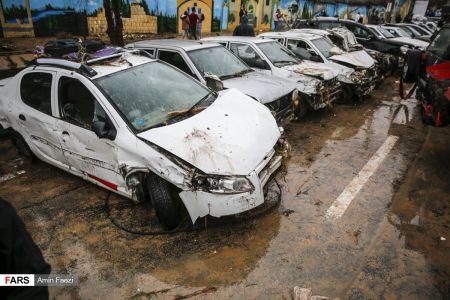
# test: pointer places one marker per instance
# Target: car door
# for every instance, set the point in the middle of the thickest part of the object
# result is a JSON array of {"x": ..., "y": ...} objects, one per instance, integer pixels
[
  {"x": 35, "y": 113},
  {"x": 86, "y": 153}
]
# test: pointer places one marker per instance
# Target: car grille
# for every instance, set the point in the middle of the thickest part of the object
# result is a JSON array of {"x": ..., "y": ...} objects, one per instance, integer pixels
[
  {"x": 265, "y": 171},
  {"x": 330, "y": 91},
  {"x": 282, "y": 107}
]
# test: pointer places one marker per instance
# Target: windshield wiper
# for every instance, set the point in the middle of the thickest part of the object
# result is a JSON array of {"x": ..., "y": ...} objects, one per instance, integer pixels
[
  {"x": 182, "y": 112},
  {"x": 288, "y": 62},
  {"x": 237, "y": 74}
]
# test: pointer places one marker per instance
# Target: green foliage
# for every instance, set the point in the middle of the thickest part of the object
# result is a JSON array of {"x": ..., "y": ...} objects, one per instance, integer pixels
[
  {"x": 145, "y": 6},
  {"x": 15, "y": 12},
  {"x": 231, "y": 17},
  {"x": 125, "y": 8},
  {"x": 167, "y": 23}
]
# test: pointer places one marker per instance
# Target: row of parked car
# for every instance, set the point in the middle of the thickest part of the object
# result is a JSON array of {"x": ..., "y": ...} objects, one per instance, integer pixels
[{"x": 175, "y": 122}]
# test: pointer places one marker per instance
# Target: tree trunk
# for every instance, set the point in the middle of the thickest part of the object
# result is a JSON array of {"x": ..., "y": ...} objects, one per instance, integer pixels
[
  {"x": 118, "y": 30},
  {"x": 109, "y": 21}
]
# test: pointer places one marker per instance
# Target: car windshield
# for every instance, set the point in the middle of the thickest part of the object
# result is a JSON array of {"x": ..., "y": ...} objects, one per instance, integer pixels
[
  {"x": 218, "y": 61},
  {"x": 151, "y": 94},
  {"x": 404, "y": 33},
  {"x": 277, "y": 54},
  {"x": 439, "y": 46},
  {"x": 420, "y": 30},
  {"x": 325, "y": 47},
  {"x": 411, "y": 32},
  {"x": 385, "y": 33}
]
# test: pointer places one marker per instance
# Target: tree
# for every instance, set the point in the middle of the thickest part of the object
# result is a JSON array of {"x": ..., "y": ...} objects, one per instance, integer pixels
[{"x": 114, "y": 22}]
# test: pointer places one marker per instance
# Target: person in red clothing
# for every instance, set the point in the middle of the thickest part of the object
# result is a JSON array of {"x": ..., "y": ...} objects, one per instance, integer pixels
[{"x": 193, "y": 19}]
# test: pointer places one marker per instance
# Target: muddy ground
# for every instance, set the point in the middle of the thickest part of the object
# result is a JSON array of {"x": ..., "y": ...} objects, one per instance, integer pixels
[{"x": 390, "y": 243}]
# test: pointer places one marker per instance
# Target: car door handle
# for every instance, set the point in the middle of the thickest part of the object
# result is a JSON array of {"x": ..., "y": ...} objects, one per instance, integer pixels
[{"x": 22, "y": 117}]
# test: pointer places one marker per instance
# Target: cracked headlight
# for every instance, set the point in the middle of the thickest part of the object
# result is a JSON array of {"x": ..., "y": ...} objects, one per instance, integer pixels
[{"x": 223, "y": 184}]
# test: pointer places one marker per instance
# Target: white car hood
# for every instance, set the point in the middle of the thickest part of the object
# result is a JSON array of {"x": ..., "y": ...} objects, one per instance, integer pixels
[
  {"x": 263, "y": 88},
  {"x": 357, "y": 59},
  {"x": 313, "y": 69},
  {"x": 230, "y": 137},
  {"x": 410, "y": 41}
]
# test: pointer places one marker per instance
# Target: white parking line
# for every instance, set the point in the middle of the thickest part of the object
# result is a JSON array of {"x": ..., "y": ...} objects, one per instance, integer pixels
[{"x": 339, "y": 206}]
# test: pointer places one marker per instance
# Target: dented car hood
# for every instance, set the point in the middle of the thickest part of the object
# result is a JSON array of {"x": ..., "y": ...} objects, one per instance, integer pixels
[
  {"x": 230, "y": 137},
  {"x": 410, "y": 41},
  {"x": 313, "y": 69},
  {"x": 357, "y": 59},
  {"x": 264, "y": 89}
]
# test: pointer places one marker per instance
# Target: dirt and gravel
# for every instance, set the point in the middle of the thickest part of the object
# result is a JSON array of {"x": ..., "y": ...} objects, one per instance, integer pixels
[{"x": 391, "y": 242}]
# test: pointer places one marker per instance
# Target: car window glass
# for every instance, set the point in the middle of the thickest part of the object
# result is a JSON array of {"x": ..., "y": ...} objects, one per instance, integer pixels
[
  {"x": 360, "y": 32},
  {"x": 35, "y": 91},
  {"x": 175, "y": 59},
  {"x": 77, "y": 104},
  {"x": 246, "y": 53},
  {"x": 300, "y": 48}
]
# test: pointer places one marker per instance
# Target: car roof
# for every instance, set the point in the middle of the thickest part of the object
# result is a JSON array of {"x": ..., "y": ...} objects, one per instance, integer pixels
[
  {"x": 186, "y": 45},
  {"x": 292, "y": 34},
  {"x": 97, "y": 67},
  {"x": 235, "y": 39}
]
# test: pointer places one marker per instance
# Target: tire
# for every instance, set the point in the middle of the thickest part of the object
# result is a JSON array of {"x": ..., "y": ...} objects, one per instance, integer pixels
[
  {"x": 164, "y": 200},
  {"x": 22, "y": 147},
  {"x": 348, "y": 96},
  {"x": 302, "y": 110},
  {"x": 411, "y": 66}
]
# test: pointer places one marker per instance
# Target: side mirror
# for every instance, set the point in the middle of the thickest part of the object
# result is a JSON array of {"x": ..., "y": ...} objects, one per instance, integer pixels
[
  {"x": 103, "y": 131},
  {"x": 214, "y": 82},
  {"x": 261, "y": 64}
]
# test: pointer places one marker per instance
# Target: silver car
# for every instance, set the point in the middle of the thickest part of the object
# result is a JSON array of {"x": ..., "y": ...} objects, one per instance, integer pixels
[{"x": 218, "y": 68}]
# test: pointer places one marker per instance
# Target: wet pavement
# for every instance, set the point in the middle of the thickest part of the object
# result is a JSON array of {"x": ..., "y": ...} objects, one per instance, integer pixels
[{"x": 390, "y": 241}]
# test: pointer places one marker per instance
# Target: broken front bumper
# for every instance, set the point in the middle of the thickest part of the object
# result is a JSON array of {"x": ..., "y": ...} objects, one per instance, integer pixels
[
  {"x": 281, "y": 108},
  {"x": 365, "y": 81},
  {"x": 201, "y": 203},
  {"x": 328, "y": 92}
]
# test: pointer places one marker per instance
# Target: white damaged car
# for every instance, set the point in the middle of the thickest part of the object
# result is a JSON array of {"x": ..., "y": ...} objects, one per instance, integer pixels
[
  {"x": 143, "y": 129},
  {"x": 356, "y": 70}
]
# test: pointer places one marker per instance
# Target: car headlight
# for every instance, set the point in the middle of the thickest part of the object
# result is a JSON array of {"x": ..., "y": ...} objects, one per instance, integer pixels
[
  {"x": 404, "y": 49},
  {"x": 223, "y": 184}
]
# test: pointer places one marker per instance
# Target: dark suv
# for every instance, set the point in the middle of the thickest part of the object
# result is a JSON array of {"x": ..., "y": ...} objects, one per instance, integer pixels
[{"x": 362, "y": 33}]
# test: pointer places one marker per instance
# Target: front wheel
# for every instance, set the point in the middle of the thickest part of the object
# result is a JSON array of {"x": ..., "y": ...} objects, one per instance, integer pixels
[
  {"x": 22, "y": 147},
  {"x": 164, "y": 200}
]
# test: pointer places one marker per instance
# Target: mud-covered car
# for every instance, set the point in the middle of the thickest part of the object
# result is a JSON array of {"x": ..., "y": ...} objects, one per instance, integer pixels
[
  {"x": 397, "y": 34},
  {"x": 143, "y": 129},
  {"x": 319, "y": 86},
  {"x": 357, "y": 71},
  {"x": 346, "y": 40},
  {"x": 362, "y": 33},
  {"x": 218, "y": 68},
  {"x": 430, "y": 70}
]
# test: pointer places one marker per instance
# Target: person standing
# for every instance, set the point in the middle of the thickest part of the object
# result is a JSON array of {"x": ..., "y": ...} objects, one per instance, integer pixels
[
  {"x": 357, "y": 17},
  {"x": 193, "y": 19},
  {"x": 185, "y": 24},
  {"x": 277, "y": 18},
  {"x": 201, "y": 18},
  {"x": 241, "y": 13},
  {"x": 244, "y": 29}
]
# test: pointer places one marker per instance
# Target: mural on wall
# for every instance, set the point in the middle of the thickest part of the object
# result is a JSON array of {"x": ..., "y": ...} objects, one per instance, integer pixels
[
  {"x": 15, "y": 11},
  {"x": 376, "y": 14},
  {"x": 353, "y": 10}
]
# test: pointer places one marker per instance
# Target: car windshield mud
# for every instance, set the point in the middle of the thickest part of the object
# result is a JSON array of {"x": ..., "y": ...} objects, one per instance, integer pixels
[
  {"x": 152, "y": 94},
  {"x": 218, "y": 61},
  {"x": 439, "y": 46},
  {"x": 277, "y": 54},
  {"x": 324, "y": 47}
]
